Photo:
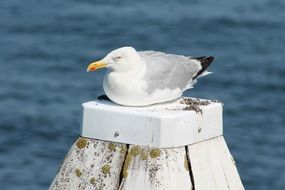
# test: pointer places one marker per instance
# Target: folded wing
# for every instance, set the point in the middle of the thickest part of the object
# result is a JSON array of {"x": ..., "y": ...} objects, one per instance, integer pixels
[{"x": 171, "y": 71}]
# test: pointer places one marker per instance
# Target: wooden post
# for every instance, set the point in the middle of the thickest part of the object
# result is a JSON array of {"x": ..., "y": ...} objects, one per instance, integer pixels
[{"x": 172, "y": 146}]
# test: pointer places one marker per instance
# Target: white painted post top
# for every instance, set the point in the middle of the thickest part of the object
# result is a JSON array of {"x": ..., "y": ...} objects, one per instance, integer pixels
[{"x": 173, "y": 124}]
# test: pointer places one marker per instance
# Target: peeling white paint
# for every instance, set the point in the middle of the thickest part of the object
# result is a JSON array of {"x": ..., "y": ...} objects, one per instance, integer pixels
[
  {"x": 212, "y": 166},
  {"x": 97, "y": 165}
]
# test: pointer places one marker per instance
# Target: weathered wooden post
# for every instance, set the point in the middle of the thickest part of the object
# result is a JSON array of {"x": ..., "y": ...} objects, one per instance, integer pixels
[{"x": 172, "y": 146}]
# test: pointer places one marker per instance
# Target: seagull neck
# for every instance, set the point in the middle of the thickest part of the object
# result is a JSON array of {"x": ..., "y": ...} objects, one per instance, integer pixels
[{"x": 139, "y": 69}]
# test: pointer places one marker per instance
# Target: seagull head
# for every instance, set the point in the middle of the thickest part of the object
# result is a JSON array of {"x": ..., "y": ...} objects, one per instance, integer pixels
[{"x": 122, "y": 60}]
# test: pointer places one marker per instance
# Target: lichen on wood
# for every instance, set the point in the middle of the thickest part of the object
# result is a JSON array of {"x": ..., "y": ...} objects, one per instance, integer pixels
[
  {"x": 106, "y": 169},
  {"x": 112, "y": 146},
  {"x": 144, "y": 155},
  {"x": 127, "y": 163},
  {"x": 154, "y": 153},
  {"x": 123, "y": 148},
  {"x": 78, "y": 173},
  {"x": 156, "y": 168},
  {"x": 90, "y": 167},
  {"x": 81, "y": 142},
  {"x": 136, "y": 150},
  {"x": 93, "y": 181}
]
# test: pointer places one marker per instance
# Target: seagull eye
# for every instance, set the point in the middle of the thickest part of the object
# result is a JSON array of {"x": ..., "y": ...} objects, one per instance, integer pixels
[{"x": 117, "y": 58}]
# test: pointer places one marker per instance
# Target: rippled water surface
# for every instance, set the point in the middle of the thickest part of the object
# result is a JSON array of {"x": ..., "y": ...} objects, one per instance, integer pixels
[{"x": 46, "y": 45}]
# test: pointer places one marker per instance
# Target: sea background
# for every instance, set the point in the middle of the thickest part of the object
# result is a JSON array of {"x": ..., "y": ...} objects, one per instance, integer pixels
[{"x": 45, "y": 47}]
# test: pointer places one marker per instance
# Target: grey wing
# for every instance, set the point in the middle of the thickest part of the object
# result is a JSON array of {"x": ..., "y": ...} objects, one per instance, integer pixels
[{"x": 168, "y": 70}]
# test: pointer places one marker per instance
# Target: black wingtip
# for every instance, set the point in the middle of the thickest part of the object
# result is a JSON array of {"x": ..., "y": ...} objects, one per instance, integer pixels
[{"x": 205, "y": 63}]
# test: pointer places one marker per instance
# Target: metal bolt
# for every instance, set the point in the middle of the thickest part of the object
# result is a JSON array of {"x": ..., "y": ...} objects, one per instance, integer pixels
[
  {"x": 199, "y": 129},
  {"x": 116, "y": 134}
]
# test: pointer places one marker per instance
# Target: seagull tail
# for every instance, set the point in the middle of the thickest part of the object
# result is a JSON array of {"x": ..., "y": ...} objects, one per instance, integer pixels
[{"x": 205, "y": 61}]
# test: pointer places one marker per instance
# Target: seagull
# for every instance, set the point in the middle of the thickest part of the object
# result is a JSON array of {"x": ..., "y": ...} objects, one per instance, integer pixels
[{"x": 142, "y": 78}]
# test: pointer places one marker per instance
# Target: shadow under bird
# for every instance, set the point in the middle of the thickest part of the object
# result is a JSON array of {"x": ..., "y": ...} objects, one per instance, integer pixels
[{"x": 141, "y": 78}]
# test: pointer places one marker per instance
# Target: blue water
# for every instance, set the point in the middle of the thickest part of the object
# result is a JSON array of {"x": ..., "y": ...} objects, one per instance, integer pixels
[{"x": 46, "y": 46}]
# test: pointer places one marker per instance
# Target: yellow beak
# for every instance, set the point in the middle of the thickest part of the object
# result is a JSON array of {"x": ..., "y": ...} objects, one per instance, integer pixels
[{"x": 96, "y": 65}]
